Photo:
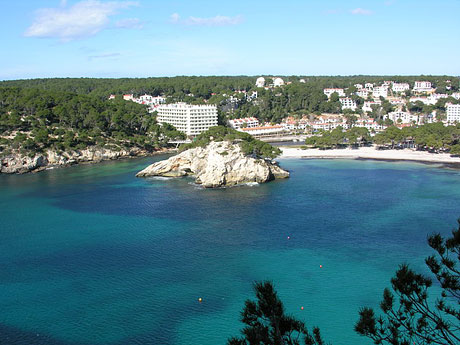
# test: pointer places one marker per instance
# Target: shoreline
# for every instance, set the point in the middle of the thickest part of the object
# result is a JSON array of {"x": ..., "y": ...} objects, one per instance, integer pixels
[
  {"x": 26, "y": 165},
  {"x": 370, "y": 153}
]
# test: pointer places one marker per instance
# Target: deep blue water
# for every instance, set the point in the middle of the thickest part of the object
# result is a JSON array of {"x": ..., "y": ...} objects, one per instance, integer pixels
[{"x": 93, "y": 255}]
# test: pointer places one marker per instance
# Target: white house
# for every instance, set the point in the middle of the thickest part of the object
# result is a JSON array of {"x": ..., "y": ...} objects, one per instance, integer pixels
[
  {"x": 424, "y": 100},
  {"x": 400, "y": 87},
  {"x": 367, "y": 106},
  {"x": 128, "y": 97},
  {"x": 260, "y": 82},
  {"x": 190, "y": 119},
  {"x": 369, "y": 86},
  {"x": 348, "y": 103},
  {"x": 330, "y": 91},
  {"x": 423, "y": 86},
  {"x": 248, "y": 122},
  {"x": 278, "y": 82},
  {"x": 403, "y": 116},
  {"x": 264, "y": 131},
  {"x": 437, "y": 96},
  {"x": 358, "y": 86},
  {"x": 380, "y": 91},
  {"x": 363, "y": 93},
  {"x": 370, "y": 124},
  {"x": 453, "y": 113}
]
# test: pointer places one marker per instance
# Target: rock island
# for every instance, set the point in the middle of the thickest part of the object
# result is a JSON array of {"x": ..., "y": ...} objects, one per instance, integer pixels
[{"x": 221, "y": 157}]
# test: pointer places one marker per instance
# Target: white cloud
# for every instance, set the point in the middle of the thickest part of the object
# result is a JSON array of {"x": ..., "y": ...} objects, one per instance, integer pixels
[
  {"x": 211, "y": 21},
  {"x": 129, "y": 23},
  {"x": 103, "y": 56},
  {"x": 175, "y": 17},
  {"x": 361, "y": 11},
  {"x": 332, "y": 12},
  {"x": 85, "y": 18}
]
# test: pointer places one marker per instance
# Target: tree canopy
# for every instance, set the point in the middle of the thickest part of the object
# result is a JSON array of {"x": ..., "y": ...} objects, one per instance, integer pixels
[
  {"x": 410, "y": 316},
  {"x": 268, "y": 324}
]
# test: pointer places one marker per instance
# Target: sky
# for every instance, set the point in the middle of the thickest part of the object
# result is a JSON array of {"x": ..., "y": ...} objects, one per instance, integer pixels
[{"x": 150, "y": 38}]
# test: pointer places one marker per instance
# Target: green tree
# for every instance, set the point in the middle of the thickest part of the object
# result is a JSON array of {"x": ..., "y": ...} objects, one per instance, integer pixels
[
  {"x": 267, "y": 323},
  {"x": 411, "y": 317}
]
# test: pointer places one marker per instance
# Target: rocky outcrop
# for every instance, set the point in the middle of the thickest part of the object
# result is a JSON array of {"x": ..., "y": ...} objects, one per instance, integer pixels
[
  {"x": 218, "y": 164},
  {"x": 17, "y": 163}
]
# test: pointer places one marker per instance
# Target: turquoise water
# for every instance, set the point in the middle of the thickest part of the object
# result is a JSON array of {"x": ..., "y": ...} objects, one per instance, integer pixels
[{"x": 93, "y": 255}]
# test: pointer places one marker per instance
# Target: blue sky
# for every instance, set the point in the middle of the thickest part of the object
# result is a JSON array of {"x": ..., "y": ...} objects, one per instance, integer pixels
[{"x": 148, "y": 38}]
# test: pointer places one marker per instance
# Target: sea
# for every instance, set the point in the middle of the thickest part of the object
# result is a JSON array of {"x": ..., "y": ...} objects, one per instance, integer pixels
[{"x": 92, "y": 255}]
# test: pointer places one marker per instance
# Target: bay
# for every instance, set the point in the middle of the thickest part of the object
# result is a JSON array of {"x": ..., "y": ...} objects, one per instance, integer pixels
[{"x": 92, "y": 255}]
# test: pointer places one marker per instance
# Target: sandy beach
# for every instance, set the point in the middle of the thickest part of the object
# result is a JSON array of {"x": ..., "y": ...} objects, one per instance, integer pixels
[{"x": 371, "y": 153}]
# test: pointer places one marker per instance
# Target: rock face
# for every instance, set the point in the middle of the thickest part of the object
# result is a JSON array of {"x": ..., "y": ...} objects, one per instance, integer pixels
[
  {"x": 218, "y": 164},
  {"x": 18, "y": 163}
]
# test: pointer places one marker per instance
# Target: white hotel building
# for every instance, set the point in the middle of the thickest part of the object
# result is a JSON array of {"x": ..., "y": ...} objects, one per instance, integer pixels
[
  {"x": 453, "y": 113},
  {"x": 187, "y": 118}
]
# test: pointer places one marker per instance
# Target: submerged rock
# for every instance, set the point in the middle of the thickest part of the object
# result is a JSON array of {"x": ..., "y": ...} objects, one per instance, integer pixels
[{"x": 216, "y": 165}]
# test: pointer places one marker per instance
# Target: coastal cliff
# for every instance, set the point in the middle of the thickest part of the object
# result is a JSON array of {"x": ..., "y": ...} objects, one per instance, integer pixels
[
  {"x": 17, "y": 163},
  {"x": 218, "y": 164}
]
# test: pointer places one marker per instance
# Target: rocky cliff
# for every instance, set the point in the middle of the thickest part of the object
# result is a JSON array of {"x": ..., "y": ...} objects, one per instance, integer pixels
[
  {"x": 19, "y": 163},
  {"x": 216, "y": 165}
]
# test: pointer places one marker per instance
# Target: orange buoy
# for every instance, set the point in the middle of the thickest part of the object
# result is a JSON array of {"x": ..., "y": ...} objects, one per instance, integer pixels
[
  {"x": 200, "y": 300},
  {"x": 320, "y": 266},
  {"x": 301, "y": 308}
]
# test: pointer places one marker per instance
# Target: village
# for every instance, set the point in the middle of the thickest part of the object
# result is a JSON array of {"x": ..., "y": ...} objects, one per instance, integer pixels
[{"x": 361, "y": 106}]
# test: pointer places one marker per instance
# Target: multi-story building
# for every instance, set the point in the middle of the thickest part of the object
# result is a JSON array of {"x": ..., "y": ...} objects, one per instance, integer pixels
[
  {"x": 248, "y": 122},
  {"x": 370, "y": 124},
  {"x": 190, "y": 119},
  {"x": 329, "y": 92},
  {"x": 423, "y": 86},
  {"x": 348, "y": 103},
  {"x": 364, "y": 93},
  {"x": 150, "y": 100},
  {"x": 402, "y": 117},
  {"x": 400, "y": 87},
  {"x": 369, "y": 86},
  {"x": 453, "y": 113},
  {"x": 264, "y": 131},
  {"x": 380, "y": 91},
  {"x": 367, "y": 106}
]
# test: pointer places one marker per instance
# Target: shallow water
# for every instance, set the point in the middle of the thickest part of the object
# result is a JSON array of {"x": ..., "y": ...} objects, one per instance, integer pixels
[{"x": 93, "y": 255}]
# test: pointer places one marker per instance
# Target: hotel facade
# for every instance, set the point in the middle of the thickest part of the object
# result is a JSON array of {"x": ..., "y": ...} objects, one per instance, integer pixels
[{"x": 187, "y": 118}]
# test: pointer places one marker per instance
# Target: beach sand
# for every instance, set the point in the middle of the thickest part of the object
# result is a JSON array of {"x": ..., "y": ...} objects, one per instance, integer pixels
[{"x": 371, "y": 153}]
